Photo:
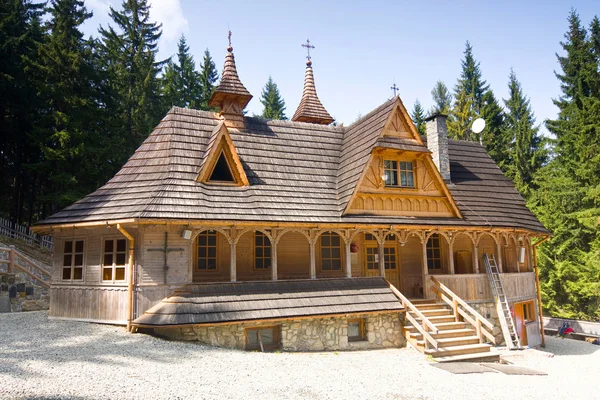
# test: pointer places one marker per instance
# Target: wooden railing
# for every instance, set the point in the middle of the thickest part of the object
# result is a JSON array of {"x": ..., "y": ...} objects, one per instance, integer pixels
[
  {"x": 13, "y": 258},
  {"x": 460, "y": 308},
  {"x": 425, "y": 327},
  {"x": 16, "y": 231}
]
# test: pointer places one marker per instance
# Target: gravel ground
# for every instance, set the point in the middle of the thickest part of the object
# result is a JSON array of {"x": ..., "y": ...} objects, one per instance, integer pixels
[{"x": 48, "y": 359}]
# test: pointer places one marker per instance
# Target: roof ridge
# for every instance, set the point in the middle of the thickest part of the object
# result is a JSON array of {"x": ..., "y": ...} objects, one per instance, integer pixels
[{"x": 371, "y": 113}]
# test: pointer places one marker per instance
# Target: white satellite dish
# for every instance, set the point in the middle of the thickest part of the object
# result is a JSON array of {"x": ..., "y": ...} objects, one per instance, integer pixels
[{"x": 478, "y": 125}]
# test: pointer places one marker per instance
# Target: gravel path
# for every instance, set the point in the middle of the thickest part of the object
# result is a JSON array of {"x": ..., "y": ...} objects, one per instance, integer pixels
[{"x": 46, "y": 359}]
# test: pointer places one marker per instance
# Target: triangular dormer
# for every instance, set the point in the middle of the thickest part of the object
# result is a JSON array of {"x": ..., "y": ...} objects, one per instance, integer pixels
[
  {"x": 400, "y": 177},
  {"x": 221, "y": 165}
]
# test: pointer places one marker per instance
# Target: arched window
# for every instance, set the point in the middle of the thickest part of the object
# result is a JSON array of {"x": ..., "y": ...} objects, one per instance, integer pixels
[{"x": 331, "y": 252}]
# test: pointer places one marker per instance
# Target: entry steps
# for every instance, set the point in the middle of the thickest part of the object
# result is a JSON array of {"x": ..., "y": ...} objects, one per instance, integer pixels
[
  {"x": 456, "y": 342},
  {"x": 502, "y": 308}
]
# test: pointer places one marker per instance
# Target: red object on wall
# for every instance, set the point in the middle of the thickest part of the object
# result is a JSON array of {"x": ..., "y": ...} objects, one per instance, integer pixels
[{"x": 353, "y": 248}]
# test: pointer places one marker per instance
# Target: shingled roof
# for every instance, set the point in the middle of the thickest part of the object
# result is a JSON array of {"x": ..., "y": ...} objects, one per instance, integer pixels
[
  {"x": 310, "y": 108},
  {"x": 216, "y": 303},
  {"x": 298, "y": 172}
]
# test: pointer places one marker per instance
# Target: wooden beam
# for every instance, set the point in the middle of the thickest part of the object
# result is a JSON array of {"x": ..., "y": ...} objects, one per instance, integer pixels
[
  {"x": 274, "y": 260},
  {"x": 233, "y": 261},
  {"x": 313, "y": 261}
]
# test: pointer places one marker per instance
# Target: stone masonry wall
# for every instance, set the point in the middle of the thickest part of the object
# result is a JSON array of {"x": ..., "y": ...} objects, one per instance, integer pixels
[{"x": 318, "y": 334}]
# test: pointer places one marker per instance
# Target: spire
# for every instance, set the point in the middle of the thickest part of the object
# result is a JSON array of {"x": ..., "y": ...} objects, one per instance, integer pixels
[
  {"x": 310, "y": 109},
  {"x": 230, "y": 95}
]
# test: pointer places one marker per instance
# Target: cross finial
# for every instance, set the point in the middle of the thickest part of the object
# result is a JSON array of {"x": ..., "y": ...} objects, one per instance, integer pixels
[
  {"x": 308, "y": 47},
  {"x": 395, "y": 88},
  {"x": 229, "y": 38}
]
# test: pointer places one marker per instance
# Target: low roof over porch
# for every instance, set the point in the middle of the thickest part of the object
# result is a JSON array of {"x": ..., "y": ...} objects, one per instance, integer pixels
[{"x": 218, "y": 303}]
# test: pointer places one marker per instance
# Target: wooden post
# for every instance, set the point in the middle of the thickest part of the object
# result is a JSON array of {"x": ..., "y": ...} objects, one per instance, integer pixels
[
  {"x": 233, "y": 261},
  {"x": 313, "y": 260},
  {"x": 475, "y": 258},
  {"x": 479, "y": 335},
  {"x": 381, "y": 259},
  {"x": 451, "y": 257},
  {"x": 517, "y": 248},
  {"x": 130, "y": 278},
  {"x": 425, "y": 271},
  {"x": 455, "y": 309},
  {"x": 348, "y": 259},
  {"x": 539, "y": 291},
  {"x": 11, "y": 260},
  {"x": 274, "y": 260},
  {"x": 499, "y": 252}
]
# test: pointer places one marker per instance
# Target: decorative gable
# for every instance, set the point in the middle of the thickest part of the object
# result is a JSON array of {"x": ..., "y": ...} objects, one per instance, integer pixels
[
  {"x": 221, "y": 164},
  {"x": 400, "y": 177},
  {"x": 399, "y": 124}
]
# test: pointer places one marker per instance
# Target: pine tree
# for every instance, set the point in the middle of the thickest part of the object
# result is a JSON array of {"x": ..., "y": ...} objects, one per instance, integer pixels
[
  {"x": 67, "y": 86},
  {"x": 459, "y": 127},
  {"x": 418, "y": 117},
  {"x": 274, "y": 106},
  {"x": 208, "y": 79},
  {"x": 130, "y": 53},
  {"x": 528, "y": 153},
  {"x": 494, "y": 136},
  {"x": 20, "y": 32},
  {"x": 567, "y": 200},
  {"x": 442, "y": 99},
  {"x": 181, "y": 82}
]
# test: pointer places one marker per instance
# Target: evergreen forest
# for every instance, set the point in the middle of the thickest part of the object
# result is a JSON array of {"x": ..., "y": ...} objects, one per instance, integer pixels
[{"x": 74, "y": 108}]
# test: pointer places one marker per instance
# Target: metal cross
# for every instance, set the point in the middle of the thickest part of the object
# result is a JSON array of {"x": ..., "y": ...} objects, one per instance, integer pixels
[
  {"x": 229, "y": 38},
  {"x": 166, "y": 250},
  {"x": 395, "y": 88},
  {"x": 308, "y": 47}
]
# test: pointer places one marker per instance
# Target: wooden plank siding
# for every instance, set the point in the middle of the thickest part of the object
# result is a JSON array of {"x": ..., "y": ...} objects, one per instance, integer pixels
[
  {"x": 476, "y": 287},
  {"x": 89, "y": 303}
]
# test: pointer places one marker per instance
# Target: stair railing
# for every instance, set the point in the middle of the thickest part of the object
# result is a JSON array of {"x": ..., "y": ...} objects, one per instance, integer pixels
[
  {"x": 460, "y": 308},
  {"x": 425, "y": 327},
  {"x": 29, "y": 266}
]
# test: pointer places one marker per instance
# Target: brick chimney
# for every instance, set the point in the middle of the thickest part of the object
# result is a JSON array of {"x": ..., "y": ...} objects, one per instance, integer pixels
[{"x": 437, "y": 143}]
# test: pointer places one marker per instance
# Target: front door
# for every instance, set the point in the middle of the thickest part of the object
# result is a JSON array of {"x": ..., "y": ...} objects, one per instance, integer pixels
[{"x": 391, "y": 262}]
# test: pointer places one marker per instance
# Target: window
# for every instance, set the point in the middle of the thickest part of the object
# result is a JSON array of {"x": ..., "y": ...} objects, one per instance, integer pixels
[
  {"x": 399, "y": 173},
  {"x": 331, "y": 252},
  {"x": 207, "y": 250},
  {"x": 265, "y": 338},
  {"x": 356, "y": 330},
  {"x": 434, "y": 256},
  {"x": 115, "y": 254},
  {"x": 73, "y": 260},
  {"x": 262, "y": 251},
  {"x": 389, "y": 256},
  {"x": 221, "y": 172}
]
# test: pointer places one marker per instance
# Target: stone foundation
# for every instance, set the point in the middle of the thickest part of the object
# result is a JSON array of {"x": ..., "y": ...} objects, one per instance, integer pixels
[{"x": 318, "y": 334}]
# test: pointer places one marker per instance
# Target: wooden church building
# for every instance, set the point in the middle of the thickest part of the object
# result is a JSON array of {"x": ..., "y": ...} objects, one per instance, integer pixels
[{"x": 301, "y": 235}]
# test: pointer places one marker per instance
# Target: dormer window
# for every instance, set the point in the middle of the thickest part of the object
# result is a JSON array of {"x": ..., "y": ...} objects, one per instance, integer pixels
[{"x": 398, "y": 173}]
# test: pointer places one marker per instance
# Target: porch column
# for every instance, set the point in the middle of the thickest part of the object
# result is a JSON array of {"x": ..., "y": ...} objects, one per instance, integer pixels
[
  {"x": 313, "y": 259},
  {"x": 381, "y": 259},
  {"x": 475, "y": 258},
  {"x": 348, "y": 259},
  {"x": 499, "y": 252},
  {"x": 451, "y": 256},
  {"x": 518, "y": 251},
  {"x": 425, "y": 271},
  {"x": 232, "y": 260},
  {"x": 274, "y": 260}
]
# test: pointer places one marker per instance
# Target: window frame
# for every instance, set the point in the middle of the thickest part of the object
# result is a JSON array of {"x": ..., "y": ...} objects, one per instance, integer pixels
[
  {"x": 362, "y": 336},
  {"x": 276, "y": 331},
  {"x": 114, "y": 265},
  {"x": 330, "y": 258},
  {"x": 73, "y": 253},
  {"x": 386, "y": 260},
  {"x": 437, "y": 261},
  {"x": 197, "y": 253},
  {"x": 397, "y": 171},
  {"x": 233, "y": 182},
  {"x": 265, "y": 245}
]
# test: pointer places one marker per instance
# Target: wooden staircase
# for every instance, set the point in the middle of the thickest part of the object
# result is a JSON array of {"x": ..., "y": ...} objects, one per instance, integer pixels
[{"x": 455, "y": 341}]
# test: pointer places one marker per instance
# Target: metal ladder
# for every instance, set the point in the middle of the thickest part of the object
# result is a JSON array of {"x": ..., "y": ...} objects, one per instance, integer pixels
[{"x": 506, "y": 321}]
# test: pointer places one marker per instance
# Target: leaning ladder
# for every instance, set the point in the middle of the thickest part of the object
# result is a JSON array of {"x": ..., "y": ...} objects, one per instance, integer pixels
[{"x": 504, "y": 315}]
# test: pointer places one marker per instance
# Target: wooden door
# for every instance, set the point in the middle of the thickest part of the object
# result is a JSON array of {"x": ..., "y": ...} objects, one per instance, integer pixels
[
  {"x": 371, "y": 267},
  {"x": 523, "y": 314}
]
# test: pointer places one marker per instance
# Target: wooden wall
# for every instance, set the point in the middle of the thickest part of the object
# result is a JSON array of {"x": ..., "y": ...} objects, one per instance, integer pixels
[
  {"x": 411, "y": 267},
  {"x": 151, "y": 262},
  {"x": 95, "y": 303},
  {"x": 293, "y": 256},
  {"x": 476, "y": 287}
]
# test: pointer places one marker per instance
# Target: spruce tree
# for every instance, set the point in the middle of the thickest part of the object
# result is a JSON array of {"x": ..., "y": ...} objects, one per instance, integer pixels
[
  {"x": 208, "y": 79},
  {"x": 442, "y": 99},
  {"x": 527, "y": 153},
  {"x": 418, "y": 117},
  {"x": 459, "y": 127},
  {"x": 130, "y": 48},
  {"x": 494, "y": 136},
  {"x": 181, "y": 81},
  {"x": 273, "y": 103}
]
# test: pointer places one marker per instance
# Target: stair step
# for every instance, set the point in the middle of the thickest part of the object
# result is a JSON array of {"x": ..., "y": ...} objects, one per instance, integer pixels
[
  {"x": 434, "y": 312},
  {"x": 443, "y": 326},
  {"x": 450, "y": 333},
  {"x": 476, "y": 357},
  {"x": 429, "y": 306},
  {"x": 440, "y": 319},
  {"x": 457, "y": 350},
  {"x": 422, "y": 301},
  {"x": 453, "y": 341}
]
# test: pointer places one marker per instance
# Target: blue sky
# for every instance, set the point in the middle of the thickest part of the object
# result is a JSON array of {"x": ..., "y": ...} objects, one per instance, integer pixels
[{"x": 362, "y": 47}]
